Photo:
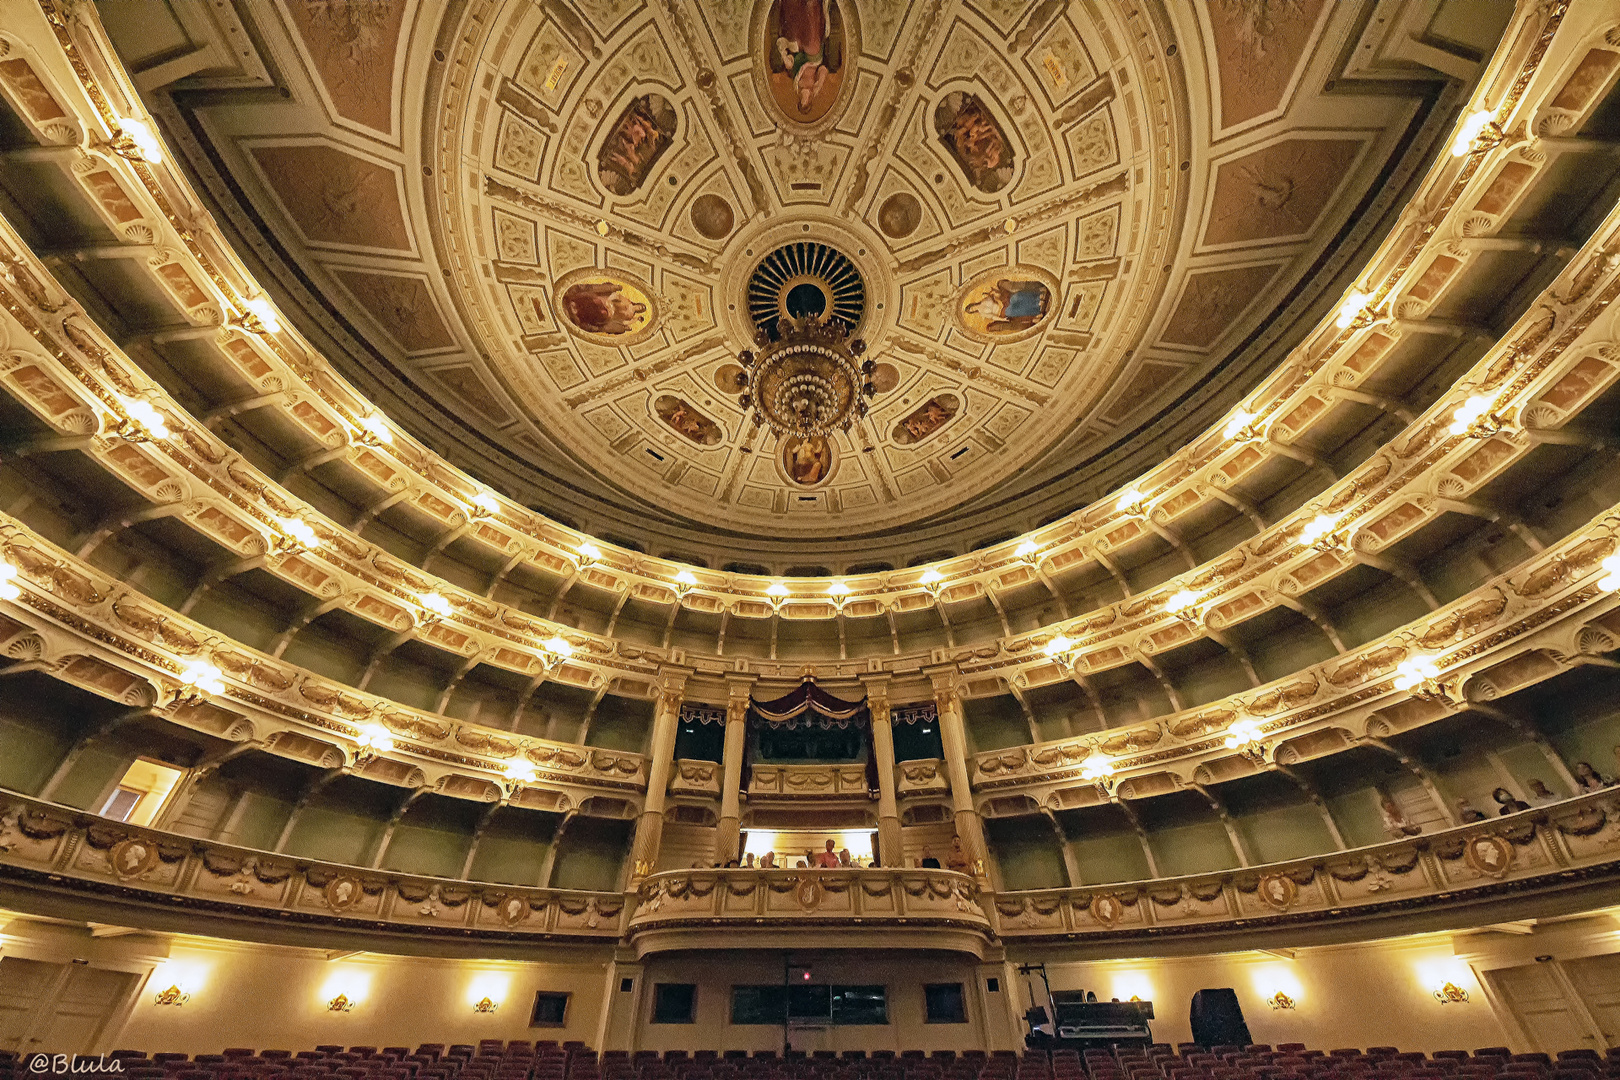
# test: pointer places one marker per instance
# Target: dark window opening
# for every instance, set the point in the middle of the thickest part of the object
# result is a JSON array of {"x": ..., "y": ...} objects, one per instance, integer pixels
[
  {"x": 550, "y": 1009},
  {"x": 945, "y": 1003},
  {"x": 675, "y": 1003}
]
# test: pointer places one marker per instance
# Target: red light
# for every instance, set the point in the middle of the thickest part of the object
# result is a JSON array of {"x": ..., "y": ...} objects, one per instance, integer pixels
[{"x": 806, "y": 976}]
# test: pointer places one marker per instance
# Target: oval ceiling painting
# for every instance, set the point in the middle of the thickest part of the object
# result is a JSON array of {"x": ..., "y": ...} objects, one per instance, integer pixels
[
  {"x": 805, "y": 44},
  {"x": 1006, "y": 304},
  {"x": 808, "y": 462},
  {"x": 606, "y": 307}
]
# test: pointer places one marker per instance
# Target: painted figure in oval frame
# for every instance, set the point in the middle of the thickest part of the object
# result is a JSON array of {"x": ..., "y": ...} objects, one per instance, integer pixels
[{"x": 805, "y": 40}]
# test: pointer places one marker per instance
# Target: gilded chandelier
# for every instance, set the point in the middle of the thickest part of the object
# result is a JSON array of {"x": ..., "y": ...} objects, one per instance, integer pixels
[{"x": 809, "y": 381}]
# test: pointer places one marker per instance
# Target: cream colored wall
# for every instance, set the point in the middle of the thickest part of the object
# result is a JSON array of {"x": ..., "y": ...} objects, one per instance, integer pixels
[
  {"x": 1373, "y": 994},
  {"x": 272, "y": 997}
]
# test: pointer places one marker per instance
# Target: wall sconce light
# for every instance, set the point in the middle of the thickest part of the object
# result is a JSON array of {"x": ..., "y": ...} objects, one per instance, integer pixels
[
  {"x": 553, "y": 651},
  {"x": 203, "y": 679},
  {"x": 1475, "y": 419},
  {"x": 1183, "y": 605},
  {"x": 1355, "y": 304},
  {"x": 1318, "y": 532},
  {"x": 340, "y": 1004},
  {"x": 1245, "y": 738},
  {"x": 1479, "y": 131},
  {"x": 1280, "y": 1000},
  {"x": 8, "y": 586},
  {"x": 587, "y": 554},
  {"x": 374, "y": 739},
  {"x": 1420, "y": 676},
  {"x": 777, "y": 592},
  {"x": 261, "y": 318},
  {"x": 839, "y": 593},
  {"x": 144, "y": 423},
  {"x": 930, "y": 580},
  {"x": 485, "y": 1006},
  {"x": 1240, "y": 427},
  {"x": 134, "y": 140},
  {"x": 684, "y": 582},
  {"x": 485, "y": 505},
  {"x": 1058, "y": 647},
  {"x": 1451, "y": 994},
  {"x": 519, "y": 771},
  {"x": 1099, "y": 769},
  {"x": 1131, "y": 501},
  {"x": 434, "y": 607},
  {"x": 1029, "y": 551},
  {"x": 374, "y": 431},
  {"x": 172, "y": 996},
  {"x": 296, "y": 535},
  {"x": 1608, "y": 583}
]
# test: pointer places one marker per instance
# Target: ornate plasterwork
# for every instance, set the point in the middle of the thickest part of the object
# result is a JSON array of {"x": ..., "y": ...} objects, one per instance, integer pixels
[{"x": 958, "y": 141}]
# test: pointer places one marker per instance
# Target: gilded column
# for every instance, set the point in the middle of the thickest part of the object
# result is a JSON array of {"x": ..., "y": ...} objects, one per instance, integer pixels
[
  {"x": 953, "y": 737},
  {"x": 890, "y": 848},
  {"x": 740, "y": 689},
  {"x": 660, "y": 758}
]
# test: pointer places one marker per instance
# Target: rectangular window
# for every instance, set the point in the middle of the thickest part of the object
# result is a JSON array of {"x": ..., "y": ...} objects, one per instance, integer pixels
[
  {"x": 860, "y": 1005},
  {"x": 945, "y": 1003},
  {"x": 145, "y": 786},
  {"x": 775, "y": 1005},
  {"x": 550, "y": 1009},
  {"x": 674, "y": 1003}
]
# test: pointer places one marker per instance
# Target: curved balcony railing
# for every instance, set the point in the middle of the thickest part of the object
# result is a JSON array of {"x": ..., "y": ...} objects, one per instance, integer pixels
[
  {"x": 1562, "y": 856},
  {"x": 55, "y": 847},
  {"x": 1561, "y": 847},
  {"x": 874, "y": 905}
]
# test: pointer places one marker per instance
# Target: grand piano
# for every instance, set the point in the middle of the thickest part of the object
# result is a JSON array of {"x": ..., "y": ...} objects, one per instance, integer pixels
[{"x": 1081, "y": 1025}]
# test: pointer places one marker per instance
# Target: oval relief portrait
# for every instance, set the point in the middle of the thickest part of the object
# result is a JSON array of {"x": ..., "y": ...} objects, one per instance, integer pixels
[
  {"x": 606, "y": 307},
  {"x": 1006, "y": 304},
  {"x": 805, "y": 43}
]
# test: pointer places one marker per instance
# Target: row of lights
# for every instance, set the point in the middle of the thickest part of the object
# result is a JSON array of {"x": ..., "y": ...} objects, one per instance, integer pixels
[{"x": 340, "y": 992}]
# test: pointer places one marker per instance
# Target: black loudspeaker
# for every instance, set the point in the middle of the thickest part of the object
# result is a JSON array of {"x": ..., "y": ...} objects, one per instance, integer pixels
[{"x": 1217, "y": 1019}]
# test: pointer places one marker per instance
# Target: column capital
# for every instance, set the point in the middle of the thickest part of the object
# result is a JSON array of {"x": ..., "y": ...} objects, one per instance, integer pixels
[
  {"x": 739, "y": 692},
  {"x": 877, "y": 686},
  {"x": 671, "y": 684},
  {"x": 947, "y": 681}
]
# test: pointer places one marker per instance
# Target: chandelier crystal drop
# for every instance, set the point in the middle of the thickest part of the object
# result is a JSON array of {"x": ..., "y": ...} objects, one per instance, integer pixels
[{"x": 810, "y": 380}]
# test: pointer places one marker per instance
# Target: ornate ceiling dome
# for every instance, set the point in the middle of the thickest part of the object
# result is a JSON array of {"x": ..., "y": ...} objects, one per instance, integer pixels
[{"x": 538, "y": 235}]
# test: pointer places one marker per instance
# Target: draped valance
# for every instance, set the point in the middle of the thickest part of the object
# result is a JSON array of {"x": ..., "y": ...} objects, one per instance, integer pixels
[{"x": 810, "y": 706}]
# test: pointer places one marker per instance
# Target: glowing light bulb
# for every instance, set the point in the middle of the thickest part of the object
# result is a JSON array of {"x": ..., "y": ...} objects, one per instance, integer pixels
[
  {"x": 1130, "y": 499},
  {"x": 1608, "y": 583},
  {"x": 486, "y": 502},
  {"x": 558, "y": 646},
  {"x": 1242, "y": 733},
  {"x": 1026, "y": 550},
  {"x": 1240, "y": 420},
  {"x": 144, "y": 139},
  {"x": 1469, "y": 411},
  {"x": 1470, "y": 130},
  {"x": 299, "y": 530},
  {"x": 1058, "y": 645},
  {"x": 931, "y": 577},
  {"x": 1354, "y": 304},
  {"x": 777, "y": 589},
  {"x": 377, "y": 428},
  {"x": 1181, "y": 601},
  {"x": 1318, "y": 527},
  {"x": 1096, "y": 767},
  {"x": 147, "y": 417},
  {"x": 589, "y": 553},
  {"x": 838, "y": 588},
  {"x": 8, "y": 587},
  {"x": 376, "y": 738},
  {"x": 436, "y": 604},
  {"x": 261, "y": 309},
  {"x": 204, "y": 676},
  {"x": 520, "y": 769},
  {"x": 1414, "y": 672},
  {"x": 686, "y": 577}
]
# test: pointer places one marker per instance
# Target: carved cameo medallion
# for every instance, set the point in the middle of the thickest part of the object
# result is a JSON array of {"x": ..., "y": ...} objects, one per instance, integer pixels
[
  {"x": 1107, "y": 909},
  {"x": 132, "y": 857},
  {"x": 1278, "y": 891},
  {"x": 808, "y": 892},
  {"x": 514, "y": 909},
  {"x": 342, "y": 893},
  {"x": 1489, "y": 855}
]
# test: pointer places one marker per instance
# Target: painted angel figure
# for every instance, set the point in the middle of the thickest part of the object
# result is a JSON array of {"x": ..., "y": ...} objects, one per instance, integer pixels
[{"x": 802, "y": 47}]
